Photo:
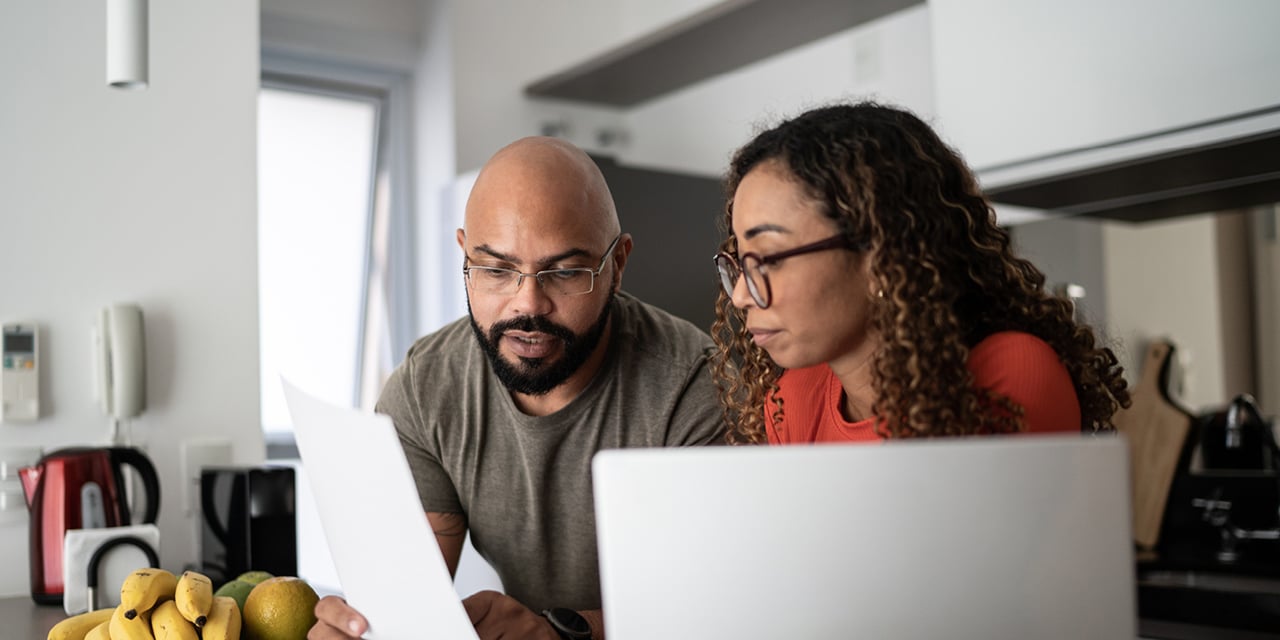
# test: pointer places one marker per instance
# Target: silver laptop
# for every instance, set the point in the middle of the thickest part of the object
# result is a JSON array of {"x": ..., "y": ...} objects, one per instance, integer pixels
[{"x": 985, "y": 538}]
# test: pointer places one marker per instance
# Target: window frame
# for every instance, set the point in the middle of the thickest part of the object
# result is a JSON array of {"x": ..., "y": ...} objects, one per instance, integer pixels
[{"x": 390, "y": 91}]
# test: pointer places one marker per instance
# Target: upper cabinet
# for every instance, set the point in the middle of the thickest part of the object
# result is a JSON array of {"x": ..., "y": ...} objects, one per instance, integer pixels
[
  {"x": 684, "y": 93},
  {"x": 1113, "y": 108},
  {"x": 722, "y": 37}
]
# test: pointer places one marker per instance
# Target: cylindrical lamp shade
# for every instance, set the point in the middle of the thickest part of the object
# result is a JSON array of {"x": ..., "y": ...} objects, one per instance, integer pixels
[{"x": 127, "y": 44}]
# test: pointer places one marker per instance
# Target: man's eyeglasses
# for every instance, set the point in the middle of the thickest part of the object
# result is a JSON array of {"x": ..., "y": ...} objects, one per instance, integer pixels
[
  {"x": 755, "y": 266},
  {"x": 562, "y": 282}
]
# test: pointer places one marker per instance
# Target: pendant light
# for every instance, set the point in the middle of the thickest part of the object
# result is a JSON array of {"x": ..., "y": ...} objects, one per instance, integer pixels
[{"x": 127, "y": 44}]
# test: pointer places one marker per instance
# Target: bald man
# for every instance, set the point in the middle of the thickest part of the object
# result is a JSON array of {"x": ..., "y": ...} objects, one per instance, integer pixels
[{"x": 499, "y": 413}]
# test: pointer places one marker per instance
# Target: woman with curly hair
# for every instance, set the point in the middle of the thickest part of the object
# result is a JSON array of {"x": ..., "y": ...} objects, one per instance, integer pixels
[{"x": 869, "y": 294}]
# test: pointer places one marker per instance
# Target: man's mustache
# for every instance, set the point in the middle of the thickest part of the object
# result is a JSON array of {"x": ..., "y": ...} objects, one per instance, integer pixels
[{"x": 531, "y": 324}]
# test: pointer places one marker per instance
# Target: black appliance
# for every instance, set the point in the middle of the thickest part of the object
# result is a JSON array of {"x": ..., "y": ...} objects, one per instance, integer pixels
[
  {"x": 1223, "y": 512},
  {"x": 249, "y": 517}
]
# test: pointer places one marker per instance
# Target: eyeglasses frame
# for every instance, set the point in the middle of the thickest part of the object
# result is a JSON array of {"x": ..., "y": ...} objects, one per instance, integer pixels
[
  {"x": 838, "y": 241},
  {"x": 537, "y": 275}
]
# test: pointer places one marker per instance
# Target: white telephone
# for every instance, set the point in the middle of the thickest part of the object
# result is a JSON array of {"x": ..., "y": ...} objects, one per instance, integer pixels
[{"x": 119, "y": 353}]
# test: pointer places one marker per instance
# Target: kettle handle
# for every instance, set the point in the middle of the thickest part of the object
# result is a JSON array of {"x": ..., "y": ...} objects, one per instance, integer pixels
[{"x": 150, "y": 482}]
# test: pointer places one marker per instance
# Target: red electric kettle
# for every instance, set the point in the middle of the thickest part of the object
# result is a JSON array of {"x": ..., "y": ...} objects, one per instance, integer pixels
[{"x": 79, "y": 488}]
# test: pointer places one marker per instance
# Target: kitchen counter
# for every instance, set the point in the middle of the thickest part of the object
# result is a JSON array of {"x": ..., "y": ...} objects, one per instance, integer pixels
[
  {"x": 21, "y": 618},
  {"x": 1232, "y": 606}
]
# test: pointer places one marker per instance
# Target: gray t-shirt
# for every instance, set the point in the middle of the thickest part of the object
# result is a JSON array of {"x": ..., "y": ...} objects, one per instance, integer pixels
[{"x": 524, "y": 482}]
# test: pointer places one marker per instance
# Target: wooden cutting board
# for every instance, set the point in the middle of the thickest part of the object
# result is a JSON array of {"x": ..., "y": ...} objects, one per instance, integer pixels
[{"x": 1156, "y": 429}]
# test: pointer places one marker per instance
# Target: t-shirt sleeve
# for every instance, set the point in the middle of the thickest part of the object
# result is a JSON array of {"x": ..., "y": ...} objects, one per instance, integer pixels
[
  {"x": 696, "y": 418},
  {"x": 421, "y": 449},
  {"x": 1027, "y": 370}
]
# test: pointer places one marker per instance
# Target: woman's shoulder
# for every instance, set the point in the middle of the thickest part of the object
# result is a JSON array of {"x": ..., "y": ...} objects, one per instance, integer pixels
[
  {"x": 1027, "y": 370},
  {"x": 1012, "y": 349}
]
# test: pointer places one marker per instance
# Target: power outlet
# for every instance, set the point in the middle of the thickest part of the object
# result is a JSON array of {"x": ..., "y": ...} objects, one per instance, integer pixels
[
  {"x": 13, "y": 504},
  {"x": 196, "y": 455}
]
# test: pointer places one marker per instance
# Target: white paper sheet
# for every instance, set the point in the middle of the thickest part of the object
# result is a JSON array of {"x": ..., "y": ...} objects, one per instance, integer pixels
[{"x": 382, "y": 546}]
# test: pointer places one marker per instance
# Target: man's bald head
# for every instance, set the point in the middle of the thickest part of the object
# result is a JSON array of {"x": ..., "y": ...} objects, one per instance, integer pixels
[
  {"x": 541, "y": 205},
  {"x": 547, "y": 182}
]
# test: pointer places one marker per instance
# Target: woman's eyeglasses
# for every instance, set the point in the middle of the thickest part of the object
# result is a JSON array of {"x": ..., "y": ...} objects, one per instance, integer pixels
[{"x": 755, "y": 267}]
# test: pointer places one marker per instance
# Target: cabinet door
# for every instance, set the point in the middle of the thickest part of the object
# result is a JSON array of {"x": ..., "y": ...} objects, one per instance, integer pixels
[{"x": 1022, "y": 79}]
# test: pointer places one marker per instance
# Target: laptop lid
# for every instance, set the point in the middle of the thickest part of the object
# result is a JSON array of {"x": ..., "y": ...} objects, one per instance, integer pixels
[{"x": 994, "y": 537}]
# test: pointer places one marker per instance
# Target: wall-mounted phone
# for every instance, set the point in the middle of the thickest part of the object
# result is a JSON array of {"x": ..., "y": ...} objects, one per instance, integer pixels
[
  {"x": 19, "y": 373},
  {"x": 119, "y": 354}
]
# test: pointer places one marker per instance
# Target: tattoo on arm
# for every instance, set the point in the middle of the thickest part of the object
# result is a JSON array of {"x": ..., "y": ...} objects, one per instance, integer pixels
[{"x": 451, "y": 525}]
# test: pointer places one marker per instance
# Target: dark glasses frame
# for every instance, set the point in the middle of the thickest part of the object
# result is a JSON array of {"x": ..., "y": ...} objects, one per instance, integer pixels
[{"x": 731, "y": 268}]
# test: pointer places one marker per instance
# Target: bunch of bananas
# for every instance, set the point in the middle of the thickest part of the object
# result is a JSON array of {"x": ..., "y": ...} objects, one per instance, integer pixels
[{"x": 156, "y": 605}]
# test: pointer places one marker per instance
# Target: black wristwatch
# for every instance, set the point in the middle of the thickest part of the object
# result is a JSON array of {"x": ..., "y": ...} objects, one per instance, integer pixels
[{"x": 568, "y": 623}]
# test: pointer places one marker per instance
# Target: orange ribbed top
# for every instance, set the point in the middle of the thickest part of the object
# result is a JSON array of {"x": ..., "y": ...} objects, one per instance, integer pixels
[{"x": 1016, "y": 365}]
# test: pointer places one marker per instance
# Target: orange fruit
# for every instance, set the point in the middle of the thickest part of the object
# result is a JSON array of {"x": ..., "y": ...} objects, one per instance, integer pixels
[{"x": 280, "y": 608}]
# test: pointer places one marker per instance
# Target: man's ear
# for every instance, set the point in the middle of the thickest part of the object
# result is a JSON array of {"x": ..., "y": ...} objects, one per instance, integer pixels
[
  {"x": 462, "y": 239},
  {"x": 620, "y": 255}
]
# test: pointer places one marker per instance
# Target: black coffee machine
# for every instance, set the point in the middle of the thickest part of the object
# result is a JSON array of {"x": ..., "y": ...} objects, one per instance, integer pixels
[
  {"x": 249, "y": 521},
  {"x": 1223, "y": 511}
]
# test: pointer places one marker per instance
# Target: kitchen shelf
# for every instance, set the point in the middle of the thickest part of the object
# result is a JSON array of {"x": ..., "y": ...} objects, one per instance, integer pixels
[
  {"x": 725, "y": 37},
  {"x": 1230, "y": 163}
]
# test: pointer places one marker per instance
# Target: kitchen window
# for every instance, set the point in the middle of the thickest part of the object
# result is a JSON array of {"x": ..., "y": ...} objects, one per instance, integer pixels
[{"x": 335, "y": 300}]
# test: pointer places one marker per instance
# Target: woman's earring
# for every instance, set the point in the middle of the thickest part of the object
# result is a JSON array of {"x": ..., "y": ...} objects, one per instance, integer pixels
[{"x": 880, "y": 293}]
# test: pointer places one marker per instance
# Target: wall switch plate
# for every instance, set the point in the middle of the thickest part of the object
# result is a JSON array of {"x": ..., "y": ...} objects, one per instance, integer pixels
[
  {"x": 195, "y": 455},
  {"x": 13, "y": 502}
]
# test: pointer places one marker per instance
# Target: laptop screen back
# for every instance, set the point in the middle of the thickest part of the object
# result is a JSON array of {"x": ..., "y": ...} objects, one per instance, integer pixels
[{"x": 997, "y": 537}]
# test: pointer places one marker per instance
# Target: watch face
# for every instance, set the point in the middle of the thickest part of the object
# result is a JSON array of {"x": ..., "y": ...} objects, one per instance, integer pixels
[{"x": 569, "y": 622}]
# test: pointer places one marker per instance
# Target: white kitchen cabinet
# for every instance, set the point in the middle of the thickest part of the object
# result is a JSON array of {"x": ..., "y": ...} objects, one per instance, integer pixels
[{"x": 1019, "y": 80}]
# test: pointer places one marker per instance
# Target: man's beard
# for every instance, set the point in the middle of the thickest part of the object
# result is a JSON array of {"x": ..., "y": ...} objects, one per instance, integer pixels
[{"x": 536, "y": 376}]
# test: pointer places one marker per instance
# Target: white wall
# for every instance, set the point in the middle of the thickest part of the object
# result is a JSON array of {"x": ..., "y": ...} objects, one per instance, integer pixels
[
  {"x": 386, "y": 33},
  {"x": 435, "y": 156},
  {"x": 1162, "y": 282},
  {"x": 1019, "y": 78},
  {"x": 499, "y": 47},
  {"x": 150, "y": 197},
  {"x": 383, "y": 17},
  {"x": 1264, "y": 250}
]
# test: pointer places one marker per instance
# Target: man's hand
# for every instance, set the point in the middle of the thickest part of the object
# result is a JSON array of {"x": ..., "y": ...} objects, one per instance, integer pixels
[
  {"x": 335, "y": 620},
  {"x": 493, "y": 614},
  {"x": 499, "y": 616}
]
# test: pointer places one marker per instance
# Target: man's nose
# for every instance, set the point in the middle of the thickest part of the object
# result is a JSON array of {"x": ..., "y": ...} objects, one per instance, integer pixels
[{"x": 531, "y": 297}]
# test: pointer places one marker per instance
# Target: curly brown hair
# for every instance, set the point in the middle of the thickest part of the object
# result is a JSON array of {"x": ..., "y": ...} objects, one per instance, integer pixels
[{"x": 948, "y": 272}]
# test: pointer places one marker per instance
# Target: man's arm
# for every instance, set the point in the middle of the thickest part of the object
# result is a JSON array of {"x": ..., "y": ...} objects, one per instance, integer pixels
[
  {"x": 496, "y": 615},
  {"x": 595, "y": 618},
  {"x": 451, "y": 531}
]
